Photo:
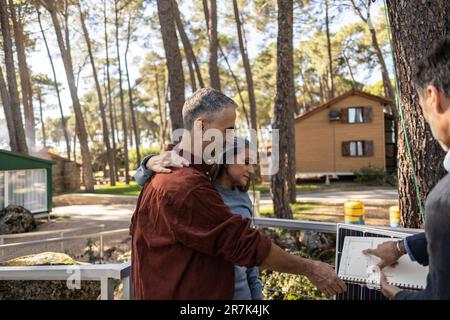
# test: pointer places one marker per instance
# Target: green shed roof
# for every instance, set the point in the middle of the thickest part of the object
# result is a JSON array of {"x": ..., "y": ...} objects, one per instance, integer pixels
[{"x": 15, "y": 161}]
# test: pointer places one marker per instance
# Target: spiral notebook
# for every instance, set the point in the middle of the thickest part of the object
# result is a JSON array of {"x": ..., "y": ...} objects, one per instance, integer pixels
[{"x": 354, "y": 265}]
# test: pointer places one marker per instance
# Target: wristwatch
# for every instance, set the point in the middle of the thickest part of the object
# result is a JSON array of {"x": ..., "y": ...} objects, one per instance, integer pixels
[{"x": 400, "y": 245}]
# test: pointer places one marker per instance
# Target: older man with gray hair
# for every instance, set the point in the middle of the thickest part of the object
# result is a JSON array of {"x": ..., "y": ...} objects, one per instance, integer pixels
[{"x": 185, "y": 240}]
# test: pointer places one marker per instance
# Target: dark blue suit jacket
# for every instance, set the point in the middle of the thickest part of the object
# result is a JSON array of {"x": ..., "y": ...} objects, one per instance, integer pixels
[
  {"x": 417, "y": 244},
  {"x": 433, "y": 247}
]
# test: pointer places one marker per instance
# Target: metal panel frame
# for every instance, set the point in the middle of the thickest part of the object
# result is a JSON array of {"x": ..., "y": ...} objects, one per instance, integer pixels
[{"x": 382, "y": 231}]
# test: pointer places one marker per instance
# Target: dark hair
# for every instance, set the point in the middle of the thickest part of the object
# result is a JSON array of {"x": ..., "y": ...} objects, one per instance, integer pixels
[
  {"x": 239, "y": 145},
  {"x": 434, "y": 68},
  {"x": 205, "y": 102}
]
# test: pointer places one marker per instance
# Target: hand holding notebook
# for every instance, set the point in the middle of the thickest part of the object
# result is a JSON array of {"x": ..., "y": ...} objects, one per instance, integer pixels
[{"x": 354, "y": 266}]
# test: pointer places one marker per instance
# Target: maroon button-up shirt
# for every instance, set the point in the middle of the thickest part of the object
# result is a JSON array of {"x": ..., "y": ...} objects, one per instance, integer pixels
[{"x": 185, "y": 240}]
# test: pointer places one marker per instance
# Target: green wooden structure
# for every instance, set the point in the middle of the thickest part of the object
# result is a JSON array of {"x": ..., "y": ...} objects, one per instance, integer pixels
[{"x": 25, "y": 181}]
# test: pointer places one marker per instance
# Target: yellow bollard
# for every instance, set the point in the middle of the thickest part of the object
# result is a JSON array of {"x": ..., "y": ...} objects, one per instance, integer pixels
[
  {"x": 354, "y": 212},
  {"x": 394, "y": 217}
]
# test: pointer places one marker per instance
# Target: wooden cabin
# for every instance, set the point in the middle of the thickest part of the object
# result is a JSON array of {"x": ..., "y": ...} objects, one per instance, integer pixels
[{"x": 345, "y": 134}]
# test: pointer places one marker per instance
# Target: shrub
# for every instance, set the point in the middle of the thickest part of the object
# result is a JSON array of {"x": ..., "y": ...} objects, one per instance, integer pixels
[
  {"x": 283, "y": 286},
  {"x": 373, "y": 175}
]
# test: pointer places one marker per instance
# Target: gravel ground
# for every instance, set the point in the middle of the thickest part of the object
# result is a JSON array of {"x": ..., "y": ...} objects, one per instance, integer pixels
[{"x": 86, "y": 217}]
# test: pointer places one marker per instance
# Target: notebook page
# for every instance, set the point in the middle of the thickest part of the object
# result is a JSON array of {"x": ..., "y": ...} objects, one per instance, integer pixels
[{"x": 354, "y": 264}]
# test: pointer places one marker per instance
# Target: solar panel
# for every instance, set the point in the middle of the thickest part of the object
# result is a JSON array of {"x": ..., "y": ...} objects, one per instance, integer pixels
[{"x": 357, "y": 291}]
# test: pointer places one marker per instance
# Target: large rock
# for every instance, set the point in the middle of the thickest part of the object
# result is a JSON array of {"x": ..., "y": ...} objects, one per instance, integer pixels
[
  {"x": 318, "y": 244},
  {"x": 46, "y": 290},
  {"x": 16, "y": 219},
  {"x": 41, "y": 259}
]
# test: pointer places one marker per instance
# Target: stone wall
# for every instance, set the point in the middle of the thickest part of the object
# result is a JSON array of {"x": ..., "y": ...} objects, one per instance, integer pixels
[{"x": 66, "y": 177}]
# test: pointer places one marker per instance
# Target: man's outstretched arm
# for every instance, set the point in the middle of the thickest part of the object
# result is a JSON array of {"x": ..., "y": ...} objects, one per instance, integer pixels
[
  {"x": 158, "y": 164},
  {"x": 143, "y": 174}
]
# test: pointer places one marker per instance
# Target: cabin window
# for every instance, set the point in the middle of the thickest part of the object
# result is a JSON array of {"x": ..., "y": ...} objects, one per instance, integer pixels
[
  {"x": 357, "y": 115},
  {"x": 357, "y": 149}
]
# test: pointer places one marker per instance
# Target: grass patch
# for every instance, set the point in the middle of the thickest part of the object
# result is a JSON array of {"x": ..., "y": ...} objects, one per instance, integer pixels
[
  {"x": 120, "y": 189},
  {"x": 310, "y": 211},
  {"x": 311, "y": 187}
]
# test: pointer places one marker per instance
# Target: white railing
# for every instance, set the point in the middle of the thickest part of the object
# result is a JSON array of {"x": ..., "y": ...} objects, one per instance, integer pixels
[
  {"x": 105, "y": 273},
  {"x": 325, "y": 227},
  {"x": 62, "y": 238}
]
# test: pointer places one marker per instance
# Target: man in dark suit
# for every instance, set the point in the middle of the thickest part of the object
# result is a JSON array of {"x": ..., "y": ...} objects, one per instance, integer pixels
[{"x": 432, "y": 248}]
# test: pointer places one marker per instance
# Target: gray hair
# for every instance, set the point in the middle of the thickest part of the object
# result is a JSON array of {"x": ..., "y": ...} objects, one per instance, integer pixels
[{"x": 206, "y": 102}]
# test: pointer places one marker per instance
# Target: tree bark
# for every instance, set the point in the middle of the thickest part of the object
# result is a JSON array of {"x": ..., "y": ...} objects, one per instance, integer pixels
[
  {"x": 122, "y": 103},
  {"x": 188, "y": 51},
  {"x": 347, "y": 62},
  {"x": 137, "y": 139},
  {"x": 13, "y": 91},
  {"x": 160, "y": 111},
  {"x": 415, "y": 28},
  {"x": 101, "y": 105},
  {"x": 24, "y": 76},
  {"x": 214, "y": 74},
  {"x": 308, "y": 90},
  {"x": 41, "y": 113},
  {"x": 79, "y": 119},
  {"x": 4, "y": 94},
  {"x": 173, "y": 60},
  {"x": 206, "y": 12},
  {"x": 249, "y": 79},
  {"x": 283, "y": 111},
  {"x": 109, "y": 92},
  {"x": 330, "y": 56},
  {"x": 55, "y": 81},
  {"x": 238, "y": 87},
  {"x": 388, "y": 89}
]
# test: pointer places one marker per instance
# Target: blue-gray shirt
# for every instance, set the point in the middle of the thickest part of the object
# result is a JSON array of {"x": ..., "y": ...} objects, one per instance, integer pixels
[{"x": 247, "y": 285}]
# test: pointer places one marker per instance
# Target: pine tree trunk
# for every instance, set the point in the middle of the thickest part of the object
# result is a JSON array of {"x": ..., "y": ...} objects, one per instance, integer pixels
[
  {"x": 79, "y": 119},
  {"x": 13, "y": 91},
  {"x": 249, "y": 79},
  {"x": 24, "y": 75},
  {"x": 174, "y": 64},
  {"x": 283, "y": 110},
  {"x": 292, "y": 187},
  {"x": 415, "y": 27},
  {"x": 130, "y": 98},
  {"x": 189, "y": 52},
  {"x": 162, "y": 118},
  {"x": 115, "y": 168},
  {"x": 122, "y": 102},
  {"x": 41, "y": 113},
  {"x": 388, "y": 89},
  {"x": 101, "y": 105},
  {"x": 55, "y": 81},
  {"x": 213, "y": 46},
  {"x": 350, "y": 71},
  {"x": 4, "y": 95},
  {"x": 330, "y": 56},
  {"x": 308, "y": 90},
  {"x": 238, "y": 87}
]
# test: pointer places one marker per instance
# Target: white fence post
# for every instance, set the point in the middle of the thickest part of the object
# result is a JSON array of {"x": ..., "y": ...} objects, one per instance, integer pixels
[
  {"x": 62, "y": 241},
  {"x": 107, "y": 289},
  {"x": 101, "y": 247},
  {"x": 127, "y": 292}
]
